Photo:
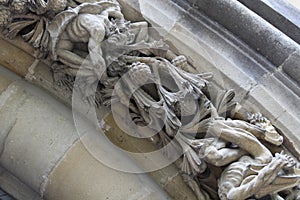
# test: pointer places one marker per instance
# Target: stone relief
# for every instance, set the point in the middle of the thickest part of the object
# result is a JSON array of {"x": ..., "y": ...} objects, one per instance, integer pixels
[{"x": 94, "y": 43}]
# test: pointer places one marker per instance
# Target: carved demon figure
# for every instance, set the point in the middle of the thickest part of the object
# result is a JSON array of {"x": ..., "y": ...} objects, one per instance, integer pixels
[{"x": 117, "y": 62}]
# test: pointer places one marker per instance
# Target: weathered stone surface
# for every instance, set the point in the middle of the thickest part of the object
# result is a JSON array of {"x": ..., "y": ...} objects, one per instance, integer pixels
[
  {"x": 160, "y": 13},
  {"x": 282, "y": 92},
  {"x": 291, "y": 66},
  {"x": 286, "y": 80},
  {"x": 252, "y": 29},
  {"x": 279, "y": 13},
  {"x": 4, "y": 83},
  {"x": 11, "y": 100},
  {"x": 37, "y": 142},
  {"x": 9, "y": 56},
  {"x": 34, "y": 135},
  {"x": 96, "y": 180},
  {"x": 228, "y": 130},
  {"x": 16, "y": 188}
]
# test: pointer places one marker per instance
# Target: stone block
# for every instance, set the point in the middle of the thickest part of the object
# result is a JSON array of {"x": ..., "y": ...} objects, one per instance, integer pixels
[
  {"x": 161, "y": 14},
  {"x": 287, "y": 81},
  {"x": 260, "y": 100},
  {"x": 38, "y": 138},
  {"x": 282, "y": 92},
  {"x": 10, "y": 58},
  {"x": 291, "y": 66},
  {"x": 16, "y": 188},
  {"x": 97, "y": 181},
  {"x": 289, "y": 126}
]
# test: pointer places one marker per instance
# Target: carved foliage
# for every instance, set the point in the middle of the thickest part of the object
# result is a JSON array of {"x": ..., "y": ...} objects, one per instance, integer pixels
[{"x": 93, "y": 41}]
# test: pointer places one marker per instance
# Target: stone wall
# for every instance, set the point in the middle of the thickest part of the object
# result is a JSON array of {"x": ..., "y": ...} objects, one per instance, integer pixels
[{"x": 243, "y": 51}]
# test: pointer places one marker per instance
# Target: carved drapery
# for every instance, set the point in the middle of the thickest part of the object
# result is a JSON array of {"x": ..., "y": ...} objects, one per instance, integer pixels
[{"x": 93, "y": 43}]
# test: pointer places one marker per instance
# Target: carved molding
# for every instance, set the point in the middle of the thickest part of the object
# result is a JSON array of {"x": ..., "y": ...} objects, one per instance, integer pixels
[{"x": 93, "y": 45}]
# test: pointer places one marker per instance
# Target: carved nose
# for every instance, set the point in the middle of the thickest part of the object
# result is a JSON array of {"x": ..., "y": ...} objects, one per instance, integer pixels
[
  {"x": 275, "y": 139},
  {"x": 280, "y": 140}
]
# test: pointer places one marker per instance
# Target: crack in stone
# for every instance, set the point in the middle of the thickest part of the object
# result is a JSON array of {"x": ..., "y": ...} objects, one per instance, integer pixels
[
  {"x": 7, "y": 95},
  {"x": 283, "y": 63},
  {"x": 8, "y": 131}
]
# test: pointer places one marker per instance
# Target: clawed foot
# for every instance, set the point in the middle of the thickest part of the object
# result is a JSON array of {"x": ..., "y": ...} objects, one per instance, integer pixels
[
  {"x": 257, "y": 118},
  {"x": 288, "y": 160},
  {"x": 64, "y": 81},
  {"x": 60, "y": 78}
]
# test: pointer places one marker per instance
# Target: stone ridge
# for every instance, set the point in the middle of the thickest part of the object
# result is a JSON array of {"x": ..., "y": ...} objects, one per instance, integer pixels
[{"x": 279, "y": 13}]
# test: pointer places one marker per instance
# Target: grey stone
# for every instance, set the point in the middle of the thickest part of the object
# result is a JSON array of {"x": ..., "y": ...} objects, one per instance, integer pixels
[
  {"x": 291, "y": 66},
  {"x": 289, "y": 126},
  {"x": 224, "y": 55},
  {"x": 249, "y": 27},
  {"x": 290, "y": 84},
  {"x": 161, "y": 14},
  {"x": 41, "y": 140},
  {"x": 282, "y": 93},
  {"x": 15, "y": 188},
  {"x": 279, "y": 13},
  {"x": 259, "y": 99},
  {"x": 26, "y": 147}
]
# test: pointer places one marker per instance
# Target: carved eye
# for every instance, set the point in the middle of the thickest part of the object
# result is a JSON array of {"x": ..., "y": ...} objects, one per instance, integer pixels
[{"x": 111, "y": 18}]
